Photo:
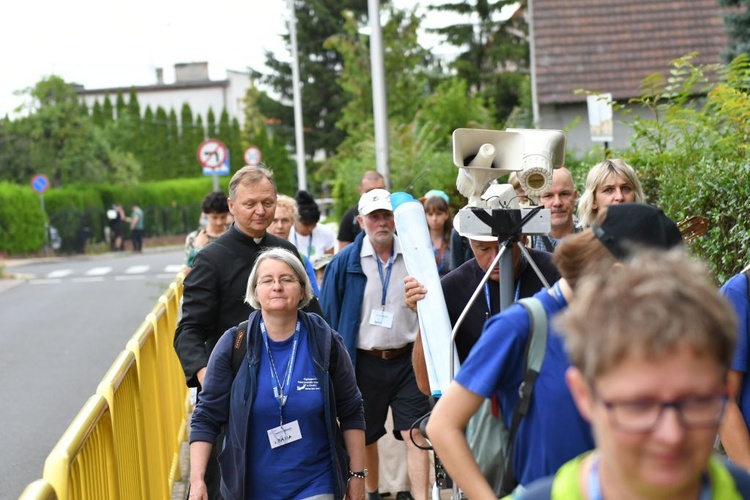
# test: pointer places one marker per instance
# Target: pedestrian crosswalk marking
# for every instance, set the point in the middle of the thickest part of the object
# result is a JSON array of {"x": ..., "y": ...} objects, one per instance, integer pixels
[
  {"x": 137, "y": 269},
  {"x": 60, "y": 273},
  {"x": 99, "y": 271}
]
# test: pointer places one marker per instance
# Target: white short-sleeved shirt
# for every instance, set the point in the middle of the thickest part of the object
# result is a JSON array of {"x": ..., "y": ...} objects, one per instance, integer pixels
[{"x": 321, "y": 240}]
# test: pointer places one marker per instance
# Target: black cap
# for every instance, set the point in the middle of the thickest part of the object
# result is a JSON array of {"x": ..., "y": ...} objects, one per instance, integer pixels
[{"x": 630, "y": 225}]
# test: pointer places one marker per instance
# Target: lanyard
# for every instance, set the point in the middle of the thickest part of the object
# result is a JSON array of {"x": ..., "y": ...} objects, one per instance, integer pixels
[
  {"x": 280, "y": 392},
  {"x": 595, "y": 484},
  {"x": 384, "y": 281},
  {"x": 516, "y": 295}
]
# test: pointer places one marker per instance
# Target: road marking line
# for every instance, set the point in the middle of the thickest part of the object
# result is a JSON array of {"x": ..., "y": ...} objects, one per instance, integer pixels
[
  {"x": 173, "y": 268},
  {"x": 88, "y": 279},
  {"x": 164, "y": 276},
  {"x": 137, "y": 269},
  {"x": 60, "y": 273},
  {"x": 98, "y": 271},
  {"x": 130, "y": 277},
  {"x": 45, "y": 282}
]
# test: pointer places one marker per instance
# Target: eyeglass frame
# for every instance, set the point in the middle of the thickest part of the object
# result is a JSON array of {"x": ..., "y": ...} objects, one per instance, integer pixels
[
  {"x": 284, "y": 280},
  {"x": 677, "y": 405}
]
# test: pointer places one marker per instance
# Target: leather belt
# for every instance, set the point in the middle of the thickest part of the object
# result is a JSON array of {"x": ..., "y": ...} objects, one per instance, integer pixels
[{"x": 389, "y": 353}]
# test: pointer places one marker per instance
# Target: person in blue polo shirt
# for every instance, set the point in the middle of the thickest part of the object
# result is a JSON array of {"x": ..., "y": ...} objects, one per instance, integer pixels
[{"x": 552, "y": 432}]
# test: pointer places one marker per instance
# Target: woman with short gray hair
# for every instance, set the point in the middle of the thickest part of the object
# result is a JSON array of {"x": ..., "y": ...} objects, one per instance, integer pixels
[{"x": 293, "y": 413}]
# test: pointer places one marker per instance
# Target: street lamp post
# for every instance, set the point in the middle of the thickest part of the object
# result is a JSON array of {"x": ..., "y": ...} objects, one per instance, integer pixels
[
  {"x": 298, "y": 129},
  {"x": 379, "y": 105}
]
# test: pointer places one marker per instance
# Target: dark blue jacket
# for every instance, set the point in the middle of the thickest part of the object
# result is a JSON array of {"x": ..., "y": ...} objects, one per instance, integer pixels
[
  {"x": 227, "y": 400},
  {"x": 343, "y": 293}
]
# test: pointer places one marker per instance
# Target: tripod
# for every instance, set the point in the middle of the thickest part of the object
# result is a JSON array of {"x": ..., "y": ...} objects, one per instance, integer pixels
[{"x": 507, "y": 225}]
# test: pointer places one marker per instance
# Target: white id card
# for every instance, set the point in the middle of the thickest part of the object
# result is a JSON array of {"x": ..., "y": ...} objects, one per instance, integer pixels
[
  {"x": 378, "y": 317},
  {"x": 284, "y": 434}
]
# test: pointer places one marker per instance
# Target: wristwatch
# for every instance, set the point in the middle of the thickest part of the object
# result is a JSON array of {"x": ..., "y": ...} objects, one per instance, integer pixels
[{"x": 360, "y": 474}]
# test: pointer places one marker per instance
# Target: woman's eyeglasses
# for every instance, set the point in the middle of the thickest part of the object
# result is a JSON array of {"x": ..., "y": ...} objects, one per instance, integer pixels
[
  {"x": 644, "y": 416},
  {"x": 285, "y": 281}
]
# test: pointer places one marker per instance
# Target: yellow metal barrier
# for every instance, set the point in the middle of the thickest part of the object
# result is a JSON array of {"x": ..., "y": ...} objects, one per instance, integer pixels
[
  {"x": 82, "y": 464},
  {"x": 143, "y": 345},
  {"x": 121, "y": 388},
  {"x": 39, "y": 490},
  {"x": 125, "y": 441}
]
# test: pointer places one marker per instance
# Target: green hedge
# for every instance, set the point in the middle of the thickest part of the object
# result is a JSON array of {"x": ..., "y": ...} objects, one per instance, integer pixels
[
  {"x": 21, "y": 219},
  {"x": 79, "y": 211}
]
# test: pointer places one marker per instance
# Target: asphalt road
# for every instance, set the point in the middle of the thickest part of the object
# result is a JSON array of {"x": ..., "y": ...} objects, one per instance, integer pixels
[{"x": 61, "y": 329}]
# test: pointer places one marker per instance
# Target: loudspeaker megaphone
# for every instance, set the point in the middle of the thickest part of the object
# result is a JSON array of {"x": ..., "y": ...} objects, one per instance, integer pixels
[
  {"x": 544, "y": 150},
  {"x": 482, "y": 156}
]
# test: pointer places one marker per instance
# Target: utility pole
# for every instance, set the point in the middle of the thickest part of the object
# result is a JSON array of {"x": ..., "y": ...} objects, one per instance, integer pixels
[
  {"x": 298, "y": 128},
  {"x": 379, "y": 104}
]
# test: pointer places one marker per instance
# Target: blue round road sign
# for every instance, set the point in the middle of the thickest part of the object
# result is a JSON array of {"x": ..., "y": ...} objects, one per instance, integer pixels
[{"x": 40, "y": 183}]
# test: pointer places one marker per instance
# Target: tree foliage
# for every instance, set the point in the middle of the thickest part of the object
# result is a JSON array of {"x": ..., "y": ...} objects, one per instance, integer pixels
[
  {"x": 422, "y": 112},
  {"x": 494, "y": 57},
  {"x": 692, "y": 153},
  {"x": 737, "y": 23},
  {"x": 319, "y": 67}
]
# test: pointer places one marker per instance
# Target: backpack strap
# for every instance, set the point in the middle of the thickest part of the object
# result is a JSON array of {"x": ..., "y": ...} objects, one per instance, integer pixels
[
  {"x": 536, "y": 348},
  {"x": 240, "y": 347}
]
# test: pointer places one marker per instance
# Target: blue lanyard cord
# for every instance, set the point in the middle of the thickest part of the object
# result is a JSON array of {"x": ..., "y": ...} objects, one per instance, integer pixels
[
  {"x": 516, "y": 295},
  {"x": 309, "y": 243},
  {"x": 281, "y": 392},
  {"x": 384, "y": 281},
  {"x": 595, "y": 484}
]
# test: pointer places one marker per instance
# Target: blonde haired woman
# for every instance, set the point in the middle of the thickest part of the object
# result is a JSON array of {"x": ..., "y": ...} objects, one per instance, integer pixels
[{"x": 608, "y": 183}]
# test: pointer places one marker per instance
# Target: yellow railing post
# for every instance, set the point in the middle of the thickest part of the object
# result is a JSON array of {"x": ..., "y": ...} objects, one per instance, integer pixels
[
  {"x": 82, "y": 463},
  {"x": 121, "y": 388}
]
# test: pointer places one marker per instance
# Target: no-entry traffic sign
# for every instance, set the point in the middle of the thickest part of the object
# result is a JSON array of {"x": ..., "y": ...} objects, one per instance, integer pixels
[{"x": 212, "y": 153}]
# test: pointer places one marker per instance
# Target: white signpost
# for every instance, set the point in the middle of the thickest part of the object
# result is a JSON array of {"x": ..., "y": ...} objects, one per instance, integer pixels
[{"x": 600, "y": 119}]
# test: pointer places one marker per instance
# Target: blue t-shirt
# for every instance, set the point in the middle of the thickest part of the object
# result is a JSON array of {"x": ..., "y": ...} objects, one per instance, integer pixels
[
  {"x": 552, "y": 432},
  {"x": 736, "y": 291},
  {"x": 302, "y": 468}
]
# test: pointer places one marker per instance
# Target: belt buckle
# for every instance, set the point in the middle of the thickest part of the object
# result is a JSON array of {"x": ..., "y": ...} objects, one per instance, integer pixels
[{"x": 384, "y": 354}]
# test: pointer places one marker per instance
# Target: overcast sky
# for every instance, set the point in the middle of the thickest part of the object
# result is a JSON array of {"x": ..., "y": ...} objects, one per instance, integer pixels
[{"x": 121, "y": 43}]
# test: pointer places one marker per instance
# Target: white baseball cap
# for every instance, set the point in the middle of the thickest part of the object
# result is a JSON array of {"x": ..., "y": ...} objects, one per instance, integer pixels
[{"x": 377, "y": 199}]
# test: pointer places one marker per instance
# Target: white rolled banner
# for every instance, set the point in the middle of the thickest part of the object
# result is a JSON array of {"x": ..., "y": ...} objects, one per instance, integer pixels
[{"x": 434, "y": 322}]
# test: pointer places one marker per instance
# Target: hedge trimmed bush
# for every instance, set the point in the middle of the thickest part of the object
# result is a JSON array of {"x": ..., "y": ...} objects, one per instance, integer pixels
[
  {"x": 21, "y": 219},
  {"x": 79, "y": 211}
]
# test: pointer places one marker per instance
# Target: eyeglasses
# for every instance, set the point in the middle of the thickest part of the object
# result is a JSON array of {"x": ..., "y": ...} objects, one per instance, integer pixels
[
  {"x": 284, "y": 281},
  {"x": 644, "y": 416}
]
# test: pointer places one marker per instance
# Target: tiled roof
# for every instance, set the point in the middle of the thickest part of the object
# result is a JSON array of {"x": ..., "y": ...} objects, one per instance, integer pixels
[{"x": 611, "y": 45}]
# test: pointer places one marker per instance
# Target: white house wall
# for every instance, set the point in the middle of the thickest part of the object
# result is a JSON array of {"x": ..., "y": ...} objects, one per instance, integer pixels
[{"x": 215, "y": 95}]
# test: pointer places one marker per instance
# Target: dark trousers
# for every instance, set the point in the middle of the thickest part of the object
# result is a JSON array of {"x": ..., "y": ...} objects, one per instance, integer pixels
[{"x": 137, "y": 237}]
